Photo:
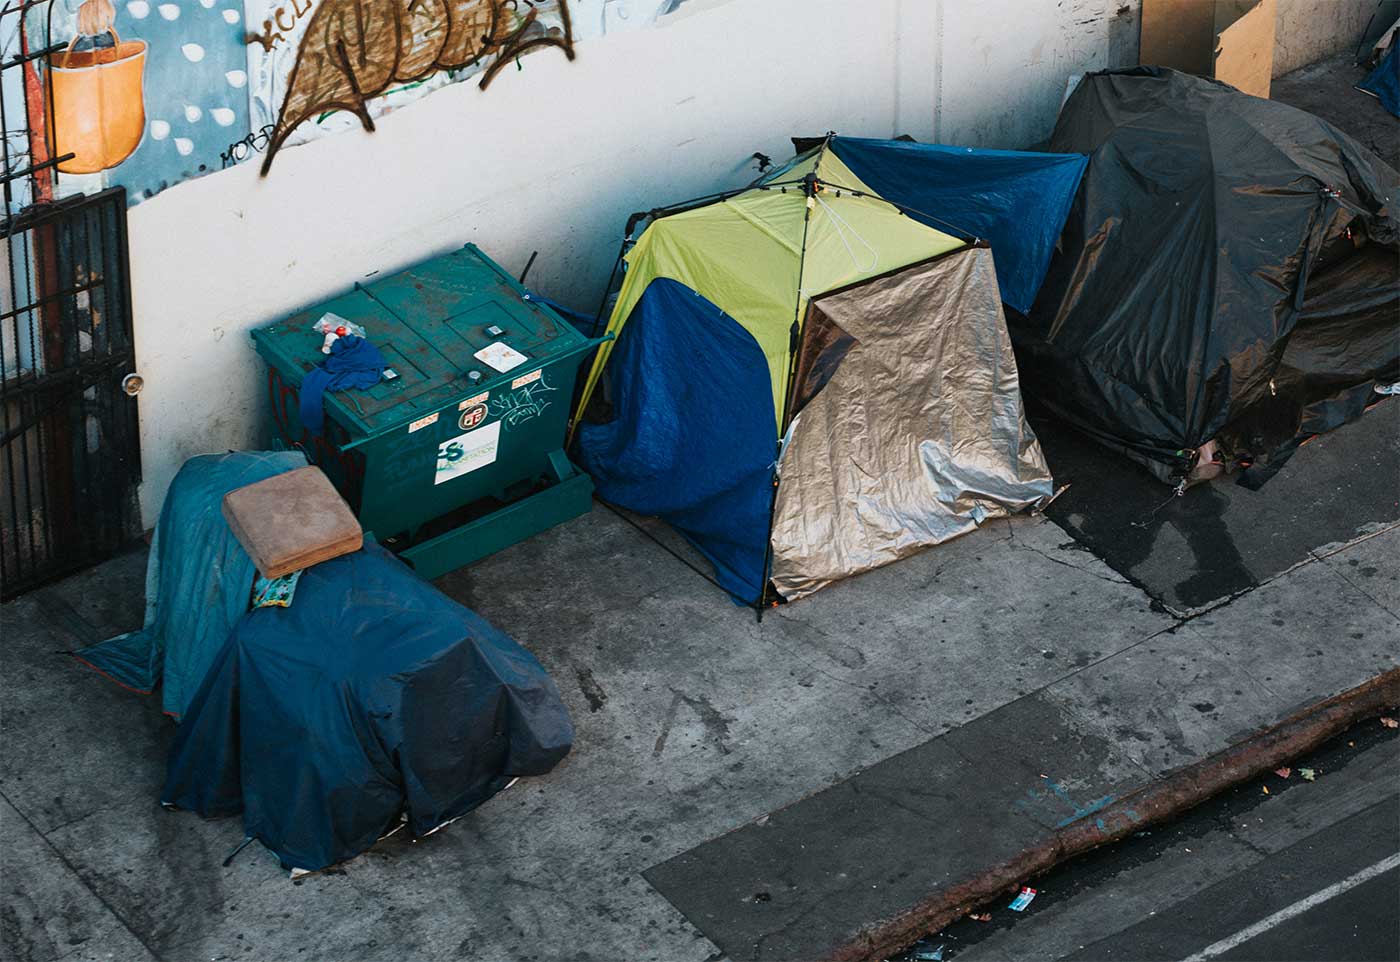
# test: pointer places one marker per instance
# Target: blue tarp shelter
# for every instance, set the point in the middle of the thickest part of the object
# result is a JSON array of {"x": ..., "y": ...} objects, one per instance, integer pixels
[
  {"x": 373, "y": 699},
  {"x": 198, "y": 580}
]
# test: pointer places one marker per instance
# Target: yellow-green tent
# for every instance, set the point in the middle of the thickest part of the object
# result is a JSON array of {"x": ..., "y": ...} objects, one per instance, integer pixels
[{"x": 723, "y": 348}]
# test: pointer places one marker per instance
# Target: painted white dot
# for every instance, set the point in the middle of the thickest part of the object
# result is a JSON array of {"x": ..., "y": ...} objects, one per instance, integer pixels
[
  {"x": 169, "y": 11},
  {"x": 236, "y": 78},
  {"x": 230, "y": 16},
  {"x": 139, "y": 9},
  {"x": 159, "y": 130},
  {"x": 184, "y": 145},
  {"x": 207, "y": 4},
  {"x": 193, "y": 113},
  {"x": 193, "y": 52},
  {"x": 223, "y": 116}
]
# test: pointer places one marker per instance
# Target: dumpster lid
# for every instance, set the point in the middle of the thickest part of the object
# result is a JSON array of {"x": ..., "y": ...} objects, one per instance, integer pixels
[{"x": 437, "y": 324}]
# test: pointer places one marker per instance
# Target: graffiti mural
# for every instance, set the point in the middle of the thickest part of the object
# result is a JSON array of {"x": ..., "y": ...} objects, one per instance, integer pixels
[
  {"x": 351, "y": 52},
  {"x": 145, "y": 94},
  {"x": 142, "y": 94}
]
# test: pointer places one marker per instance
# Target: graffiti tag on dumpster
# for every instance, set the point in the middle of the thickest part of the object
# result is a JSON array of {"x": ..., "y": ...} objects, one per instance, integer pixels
[{"x": 519, "y": 406}]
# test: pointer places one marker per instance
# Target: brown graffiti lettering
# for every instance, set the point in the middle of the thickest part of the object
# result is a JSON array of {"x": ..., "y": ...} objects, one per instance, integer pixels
[
  {"x": 283, "y": 19},
  {"x": 354, "y": 50}
]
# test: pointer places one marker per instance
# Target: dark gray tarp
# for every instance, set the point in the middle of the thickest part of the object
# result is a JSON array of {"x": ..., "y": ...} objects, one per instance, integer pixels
[
  {"x": 374, "y": 697},
  {"x": 1229, "y": 273}
]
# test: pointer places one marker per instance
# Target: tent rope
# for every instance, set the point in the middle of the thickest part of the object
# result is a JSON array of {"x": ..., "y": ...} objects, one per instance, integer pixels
[
  {"x": 907, "y": 210},
  {"x": 842, "y": 229}
]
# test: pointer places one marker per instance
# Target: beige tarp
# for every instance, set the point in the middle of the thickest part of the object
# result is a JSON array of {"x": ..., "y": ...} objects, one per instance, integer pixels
[{"x": 917, "y": 437}]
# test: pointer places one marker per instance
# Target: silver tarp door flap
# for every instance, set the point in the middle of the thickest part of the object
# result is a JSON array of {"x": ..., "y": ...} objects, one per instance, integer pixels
[{"x": 917, "y": 435}]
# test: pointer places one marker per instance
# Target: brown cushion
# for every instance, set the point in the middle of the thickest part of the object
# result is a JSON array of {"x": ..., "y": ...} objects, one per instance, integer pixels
[{"x": 292, "y": 521}]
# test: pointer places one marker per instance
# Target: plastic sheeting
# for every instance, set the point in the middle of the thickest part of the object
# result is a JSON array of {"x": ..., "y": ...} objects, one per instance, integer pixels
[
  {"x": 690, "y": 437},
  {"x": 374, "y": 697},
  {"x": 1229, "y": 273},
  {"x": 1016, "y": 200},
  {"x": 919, "y": 435},
  {"x": 198, "y": 580},
  {"x": 1384, "y": 81}
]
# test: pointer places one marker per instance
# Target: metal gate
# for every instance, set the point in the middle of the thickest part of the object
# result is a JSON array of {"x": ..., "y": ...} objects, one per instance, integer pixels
[{"x": 69, "y": 447}]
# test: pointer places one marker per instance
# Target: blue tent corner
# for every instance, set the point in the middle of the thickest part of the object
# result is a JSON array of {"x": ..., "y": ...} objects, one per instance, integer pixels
[
  {"x": 1384, "y": 81},
  {"x": 690, "y": 438},
  {"x": 1016, "y": 200}
]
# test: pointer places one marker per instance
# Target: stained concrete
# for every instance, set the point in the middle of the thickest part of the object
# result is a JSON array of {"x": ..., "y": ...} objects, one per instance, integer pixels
[
  {"x": 1003, "y": 654},
  {"x": 1220, "y": 539},
  {"x": 1327, "y": 88},
  {"x": 958, "y": 677}
]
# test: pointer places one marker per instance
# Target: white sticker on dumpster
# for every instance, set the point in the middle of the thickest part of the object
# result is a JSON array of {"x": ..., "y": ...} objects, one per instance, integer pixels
[
  {"x": 467, "y": 452},
  {"x": 501, "y": 356}
]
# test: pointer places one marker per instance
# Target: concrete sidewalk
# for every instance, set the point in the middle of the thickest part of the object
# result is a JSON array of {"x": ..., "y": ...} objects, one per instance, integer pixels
[
  {"x": 757, "y": 791},
  {"x": 826, "y": 783}
]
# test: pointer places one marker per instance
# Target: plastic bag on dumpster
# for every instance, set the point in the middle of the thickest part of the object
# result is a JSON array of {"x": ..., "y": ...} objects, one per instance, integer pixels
[{"x": 373, "y": 697}]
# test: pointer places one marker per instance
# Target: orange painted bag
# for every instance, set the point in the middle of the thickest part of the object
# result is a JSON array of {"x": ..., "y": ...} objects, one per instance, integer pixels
[{"x": 96, "y": 110}]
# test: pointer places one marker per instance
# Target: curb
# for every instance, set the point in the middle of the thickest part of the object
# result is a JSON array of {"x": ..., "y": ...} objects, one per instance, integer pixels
[{"x": 1156, "y": 802}]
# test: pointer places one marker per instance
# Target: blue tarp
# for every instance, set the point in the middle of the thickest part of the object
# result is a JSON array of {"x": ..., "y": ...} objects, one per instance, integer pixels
[
  {"x": 1384, "y": 81},
  {"x": 691, "y": 434},
  {"x": 1016, "y": 200},
  {"x": 373, "y": 698},
  {"x": 198, "y": 580}
]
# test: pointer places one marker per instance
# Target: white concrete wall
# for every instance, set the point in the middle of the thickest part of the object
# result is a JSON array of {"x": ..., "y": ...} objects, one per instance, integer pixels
[
  {"x": 1309, "y": 30},
  {"x": 555, "y": 156}
]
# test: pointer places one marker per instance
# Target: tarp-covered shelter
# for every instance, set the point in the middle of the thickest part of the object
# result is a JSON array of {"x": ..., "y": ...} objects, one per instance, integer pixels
[
  {"x": 374, "y": 699},
  {"x": 1229, "y": 278},
  {"x": 198, "y": 579},
  {"x": 1016, "y": 200},
  {"x": 809, "y": 308}
]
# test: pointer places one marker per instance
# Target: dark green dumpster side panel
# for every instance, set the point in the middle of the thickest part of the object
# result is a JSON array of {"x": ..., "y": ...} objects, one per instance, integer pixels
[{"x": 449, "y": 430}]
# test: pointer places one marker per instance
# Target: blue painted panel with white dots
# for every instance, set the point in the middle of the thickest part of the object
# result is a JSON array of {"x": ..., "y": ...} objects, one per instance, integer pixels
[{"x": 195, "y": 89}]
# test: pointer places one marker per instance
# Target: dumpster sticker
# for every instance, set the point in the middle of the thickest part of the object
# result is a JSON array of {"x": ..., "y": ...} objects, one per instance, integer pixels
[
  {"x": 530, "y": 378},
  {"x": 467, "y": 452},
  {"x": 481, "y": 398},
  {"x": 422, "y": 423},
  {"x": 472, "y": 417},
  {"x": 501, "y": 356}
]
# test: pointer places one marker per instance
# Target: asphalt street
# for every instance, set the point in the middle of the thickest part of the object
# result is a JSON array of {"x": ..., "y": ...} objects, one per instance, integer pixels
[{"x": 1307, "y": 870}]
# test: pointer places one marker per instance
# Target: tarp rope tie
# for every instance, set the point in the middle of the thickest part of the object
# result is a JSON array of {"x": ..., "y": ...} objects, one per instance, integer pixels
[{"x": 842, "y": 227}]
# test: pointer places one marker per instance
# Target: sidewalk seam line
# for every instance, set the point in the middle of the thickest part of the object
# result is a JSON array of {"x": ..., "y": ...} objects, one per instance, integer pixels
[{"x": 82, "y": 881}]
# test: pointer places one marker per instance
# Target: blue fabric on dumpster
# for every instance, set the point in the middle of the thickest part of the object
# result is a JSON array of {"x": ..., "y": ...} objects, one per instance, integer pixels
[
  {"x": 690, "y": 440},
  {"x": 585, "y": 324},
  {"x": 353, "y": 363},
  {"x": 1017, "y": 200},
  {"x": 373, "y": 698},
  {"x": 198, "y": 580},
  {"x": 1384, "y": 81}
]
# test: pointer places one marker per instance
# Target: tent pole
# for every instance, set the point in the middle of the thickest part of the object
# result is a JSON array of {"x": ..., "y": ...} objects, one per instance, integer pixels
[
  {"x": 795, "y": 337},
  {"x": 906, "y": 210}
]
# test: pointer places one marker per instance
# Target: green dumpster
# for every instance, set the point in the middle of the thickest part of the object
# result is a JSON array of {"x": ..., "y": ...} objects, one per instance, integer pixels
[{"x": 458, "y": 451}]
